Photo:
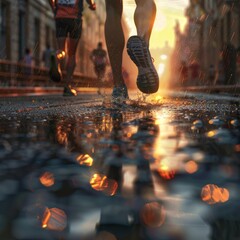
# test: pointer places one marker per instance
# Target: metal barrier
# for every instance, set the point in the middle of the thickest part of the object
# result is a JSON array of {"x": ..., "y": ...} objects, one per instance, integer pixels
[{"x": 18, "y": 74}]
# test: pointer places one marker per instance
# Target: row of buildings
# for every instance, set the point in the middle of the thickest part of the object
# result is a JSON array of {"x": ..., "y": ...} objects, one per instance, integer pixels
[
  {"x": 212, "y": 25},
  {"x": 30, "y": 24}
]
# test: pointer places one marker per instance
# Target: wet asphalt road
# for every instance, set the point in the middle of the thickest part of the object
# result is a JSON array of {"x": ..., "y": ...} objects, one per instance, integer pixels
[{"x": 165, "y": 168}]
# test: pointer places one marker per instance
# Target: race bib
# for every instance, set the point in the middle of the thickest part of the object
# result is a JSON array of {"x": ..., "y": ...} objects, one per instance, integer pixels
[{"x": 67, "y": 2}]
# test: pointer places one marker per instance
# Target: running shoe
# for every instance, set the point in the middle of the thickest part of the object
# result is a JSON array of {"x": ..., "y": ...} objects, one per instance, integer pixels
[
  {"x": 55, "y": 72},
  {"x": 69, "y": 92},
  {"x": 147, "y": 80},
  {"x": 120, "y": 94}
]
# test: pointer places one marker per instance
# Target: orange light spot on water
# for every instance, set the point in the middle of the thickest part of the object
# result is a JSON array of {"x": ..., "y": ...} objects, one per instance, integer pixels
[
  {"x": 57, "y": 220},
  {"x": 237, "y": 148},
  {"x": 47, "y": 179},
  {"x": 166, "y": 173},
  {"x": 111, "y": 187},
  {"x": 211, "y": 134},
  {"x": 191, "y": 167},
  {"x": 100, "y": 182},
  {"x": 153, "y": 214},
  {"x": 61, "y": 135},
  {"x": 84, "y": 159},
  {"x": 97, "y": 181},
  {"x": 46, "y": 217},
  {"x": 213, "y": 194}
]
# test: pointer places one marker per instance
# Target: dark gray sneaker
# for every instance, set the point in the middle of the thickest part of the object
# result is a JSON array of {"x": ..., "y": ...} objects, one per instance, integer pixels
[
  {"x": 120, "y": 94},
  {"x": 148, "y": 79}
]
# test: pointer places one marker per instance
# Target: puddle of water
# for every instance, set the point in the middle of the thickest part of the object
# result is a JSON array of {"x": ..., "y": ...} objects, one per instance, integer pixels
[{"x": 155, "y": 174}]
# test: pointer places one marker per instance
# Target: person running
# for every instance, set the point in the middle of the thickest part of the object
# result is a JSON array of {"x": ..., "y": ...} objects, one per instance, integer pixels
[
  {"x": 68, "y": 19},
  {"x": 46, "y": 57},
  {"x": 137, "y": 46},
  {"x": 99, "y": 59}
]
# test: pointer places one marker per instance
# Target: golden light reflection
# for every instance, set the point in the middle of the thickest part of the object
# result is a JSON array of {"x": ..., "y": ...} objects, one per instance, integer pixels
[
  {"x": 84, "y": 159},
  {"x": 97, "y": 181},
  {"x": 237, "y": 147},
  {"x": 61, "y": 135},
  {"x": 213, "y": 194},
  {"x": 158, "y": 98},
  {"x": 54, "y": 219},
  {"x": 166, "y": 173},
  {"x": 61, "y": 55},
  {"x": 100, "y": 182},
  {"x": 129, "y": 131},
  {"x": 46, "y": 217},
  {"x": 165, "y": 144},
  {"x": 161, "y": 69},
  {"x": 47, "y": 179},
  {"x": 211, "y": 134},
  {"x": 111, "y": 187},
  {"x": 191, "y": 167},
  {"x": 153, "y": 214}
]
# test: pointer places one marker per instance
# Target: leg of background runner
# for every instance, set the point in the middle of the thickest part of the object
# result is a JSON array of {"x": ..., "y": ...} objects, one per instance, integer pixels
[{"x": 71, "y": 60}]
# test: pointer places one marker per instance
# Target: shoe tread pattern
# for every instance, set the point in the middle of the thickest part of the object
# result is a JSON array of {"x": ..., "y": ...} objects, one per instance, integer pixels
[{"x": 148, "y": 80}]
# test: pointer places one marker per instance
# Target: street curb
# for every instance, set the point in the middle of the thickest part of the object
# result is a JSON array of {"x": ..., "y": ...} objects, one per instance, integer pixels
[
  {"x": 33, "y": 91},
  {"x": 28, "y": 91},
  {"x": 232, "y": 89}
]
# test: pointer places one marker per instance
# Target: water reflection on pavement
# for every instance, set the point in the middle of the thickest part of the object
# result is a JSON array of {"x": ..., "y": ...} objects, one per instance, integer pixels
[{"x": 162, "y": 174}]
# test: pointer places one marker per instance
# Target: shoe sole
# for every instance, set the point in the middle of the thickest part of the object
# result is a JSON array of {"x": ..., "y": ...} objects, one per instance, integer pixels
[
  {"x": 54, "y": 71},
  {"x": 147, "y": 80}
]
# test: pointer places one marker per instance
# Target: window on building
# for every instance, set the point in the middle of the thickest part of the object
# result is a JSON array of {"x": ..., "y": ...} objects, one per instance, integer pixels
[
  {"x": 21, "y": 28},
  {"x": 47, "y": 35},
  {"x": 222, "y": 32},
  {"x": 37, "y": 41},
  {"x": 54, "y": 45},
  {"x": 21, "y": 36},
  {"x": 229, "y": 25},
  {"x": 4, "y": 31}
]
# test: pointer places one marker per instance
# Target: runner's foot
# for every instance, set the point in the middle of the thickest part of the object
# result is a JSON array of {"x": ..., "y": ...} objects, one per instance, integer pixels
[
  {"x": 120, "y": 94},
  {"x": 147, "y": 80},
  {"x": 69, "y": 92}
]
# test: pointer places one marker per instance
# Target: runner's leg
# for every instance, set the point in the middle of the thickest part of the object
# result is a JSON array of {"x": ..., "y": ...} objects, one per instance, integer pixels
[
  {"x": 144, "y": 18},
  {"x": 115, "y": 38},
  {"x": 138, "y": 46},
  {"x": 61, "y": 43},
  {"x": 71, "y": 60}
]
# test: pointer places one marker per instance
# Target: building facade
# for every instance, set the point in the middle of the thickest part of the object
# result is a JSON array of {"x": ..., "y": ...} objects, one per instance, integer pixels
[
  {"x": 30, "y": 24},
  {"x": 212, "y": 24},
  {"x": 221, "y": 27}
]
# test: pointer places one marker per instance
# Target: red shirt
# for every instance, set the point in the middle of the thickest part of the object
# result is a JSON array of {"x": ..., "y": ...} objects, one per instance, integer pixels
[{"x": 69, "y": 8}]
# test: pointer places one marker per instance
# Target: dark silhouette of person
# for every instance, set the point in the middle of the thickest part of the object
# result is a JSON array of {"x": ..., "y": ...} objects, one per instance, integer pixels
[{"x": 229, "y": 61}]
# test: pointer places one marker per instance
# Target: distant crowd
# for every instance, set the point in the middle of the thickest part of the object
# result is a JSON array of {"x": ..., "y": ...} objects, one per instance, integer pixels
[{"x": 225, "y": 72}]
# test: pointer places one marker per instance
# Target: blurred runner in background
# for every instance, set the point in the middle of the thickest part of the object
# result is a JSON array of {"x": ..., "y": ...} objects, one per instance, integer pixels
[
  {"x": 99, "y": 59},
  {"x": 68, "y": 17}
]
